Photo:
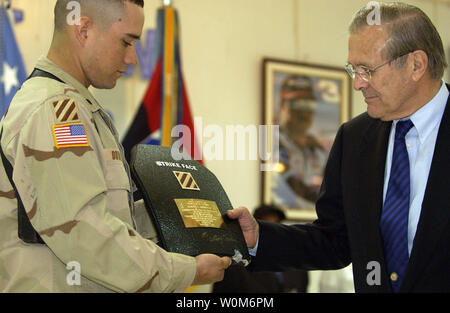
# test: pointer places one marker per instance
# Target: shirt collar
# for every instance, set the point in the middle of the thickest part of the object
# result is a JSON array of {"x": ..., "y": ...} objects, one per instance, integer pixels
[
  {"x": 47, "y": 65},
  {"x": 429, "y": 116}
]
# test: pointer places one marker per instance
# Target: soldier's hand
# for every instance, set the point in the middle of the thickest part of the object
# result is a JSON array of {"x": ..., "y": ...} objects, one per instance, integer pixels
[
  {"x": 210, "y": 268},
  {"x": 249, "y": 225}
]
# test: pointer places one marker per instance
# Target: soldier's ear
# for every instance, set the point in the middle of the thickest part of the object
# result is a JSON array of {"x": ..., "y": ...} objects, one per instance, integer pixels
[{"x": 83, "y": 30}]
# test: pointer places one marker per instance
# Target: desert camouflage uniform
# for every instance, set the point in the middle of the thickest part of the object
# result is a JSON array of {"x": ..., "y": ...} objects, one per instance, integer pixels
[{"x": 77, "y": 198}]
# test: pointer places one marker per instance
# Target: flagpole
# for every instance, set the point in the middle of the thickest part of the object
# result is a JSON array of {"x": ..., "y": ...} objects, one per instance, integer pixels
[{"x": 6, "y": 4}]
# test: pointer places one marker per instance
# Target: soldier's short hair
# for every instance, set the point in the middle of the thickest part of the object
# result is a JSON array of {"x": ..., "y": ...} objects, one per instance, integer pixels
[
  {"x": 408, "y": 29},
  {"x": 297, "y": 92},
  {"x": 102, "y": 12}
]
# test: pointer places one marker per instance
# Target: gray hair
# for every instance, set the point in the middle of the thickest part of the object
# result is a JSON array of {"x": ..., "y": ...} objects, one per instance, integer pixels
[{"x": 408, "y": 29}]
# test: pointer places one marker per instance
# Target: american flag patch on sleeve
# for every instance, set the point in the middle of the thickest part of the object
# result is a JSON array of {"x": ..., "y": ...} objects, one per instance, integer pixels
[{"x": 70, "y": 135}]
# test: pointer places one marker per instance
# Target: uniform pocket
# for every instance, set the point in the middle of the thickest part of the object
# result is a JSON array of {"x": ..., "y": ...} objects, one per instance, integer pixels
[
  {"x": 116, "y": 177},
  {"x": 118, "y": 188}
]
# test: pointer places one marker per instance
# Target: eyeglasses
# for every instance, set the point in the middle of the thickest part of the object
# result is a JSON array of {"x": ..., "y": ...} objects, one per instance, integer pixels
[{"x": 364, "y": 72}]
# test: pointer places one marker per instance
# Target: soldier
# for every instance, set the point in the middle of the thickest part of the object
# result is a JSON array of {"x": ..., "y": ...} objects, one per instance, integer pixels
[
  {"x": 64, "y": 168},
  {"x": 302, "y": 158}
]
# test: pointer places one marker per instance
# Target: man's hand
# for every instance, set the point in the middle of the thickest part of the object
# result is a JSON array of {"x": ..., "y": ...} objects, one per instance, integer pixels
[
  {"x": 249, "y": 225},
  {"x": 210, "y": 268}
]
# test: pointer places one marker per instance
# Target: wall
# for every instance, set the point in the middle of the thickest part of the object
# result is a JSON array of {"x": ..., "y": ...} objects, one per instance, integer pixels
[{"x": 223, "y": 43}]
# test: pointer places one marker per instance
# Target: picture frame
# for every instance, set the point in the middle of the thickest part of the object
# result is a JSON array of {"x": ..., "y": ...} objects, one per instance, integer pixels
[
  {"x": 448, "y": 62},
  {"x": 308, "y": 102}
]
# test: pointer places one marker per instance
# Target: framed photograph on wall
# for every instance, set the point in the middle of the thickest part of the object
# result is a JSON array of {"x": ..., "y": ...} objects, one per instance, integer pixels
[
  {"x": 448, "y": 62},
  {"x": 308, "y": 102}
]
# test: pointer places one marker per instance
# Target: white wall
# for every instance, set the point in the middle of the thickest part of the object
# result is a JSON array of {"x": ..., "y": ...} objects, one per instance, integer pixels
[{"x": 223, "y": 43}]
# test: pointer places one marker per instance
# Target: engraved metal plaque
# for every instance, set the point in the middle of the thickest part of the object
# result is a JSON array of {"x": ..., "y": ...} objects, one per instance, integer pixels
[{"x": 200, "y": 213}]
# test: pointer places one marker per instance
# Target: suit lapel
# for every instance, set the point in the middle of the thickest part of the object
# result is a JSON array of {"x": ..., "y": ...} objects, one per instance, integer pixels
[
  {"x": 372, "y": 167},
  {"x": 373, "y": 155},
  {"x": 435, "y": 212}
]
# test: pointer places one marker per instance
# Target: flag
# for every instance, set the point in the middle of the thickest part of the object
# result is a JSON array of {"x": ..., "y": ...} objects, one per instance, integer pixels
[
  {"x": 12, "y": 70},
  {"x": 70, "y": 135},
  {"x": 165, "y": 103}
]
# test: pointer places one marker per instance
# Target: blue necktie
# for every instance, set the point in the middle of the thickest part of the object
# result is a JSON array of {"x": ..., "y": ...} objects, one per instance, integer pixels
[{"x": 394, "y": 218}]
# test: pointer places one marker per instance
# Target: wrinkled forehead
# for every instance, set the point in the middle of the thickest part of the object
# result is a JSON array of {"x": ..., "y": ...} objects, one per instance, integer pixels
[{"x": 365, "y": 46}]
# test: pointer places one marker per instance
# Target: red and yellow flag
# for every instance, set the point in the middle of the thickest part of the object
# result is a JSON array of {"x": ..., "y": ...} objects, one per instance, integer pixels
[{"x": 165, "y": 102}]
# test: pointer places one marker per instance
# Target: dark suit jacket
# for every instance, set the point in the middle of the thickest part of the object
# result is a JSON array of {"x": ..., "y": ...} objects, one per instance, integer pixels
[
  {"x": 238, "y": 280},
  {"x": 349, "y": 209}
]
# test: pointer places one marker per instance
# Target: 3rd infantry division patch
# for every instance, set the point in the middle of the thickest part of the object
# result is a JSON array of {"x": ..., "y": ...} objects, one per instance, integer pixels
[
  {"x": 65, "y": 111},
  {"x": 186, "y": 180}
]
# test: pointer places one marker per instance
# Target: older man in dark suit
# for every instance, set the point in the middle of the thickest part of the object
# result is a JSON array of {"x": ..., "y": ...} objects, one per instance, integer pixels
[{"x": 384, "y": 203}]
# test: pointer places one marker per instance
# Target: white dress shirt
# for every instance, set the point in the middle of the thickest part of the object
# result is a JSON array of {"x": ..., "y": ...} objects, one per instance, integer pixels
[{"x": 420, "y": 143}]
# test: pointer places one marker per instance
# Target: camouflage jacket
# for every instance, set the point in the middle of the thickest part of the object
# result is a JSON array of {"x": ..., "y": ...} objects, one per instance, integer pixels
[{"x": 70, "y": 173}]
